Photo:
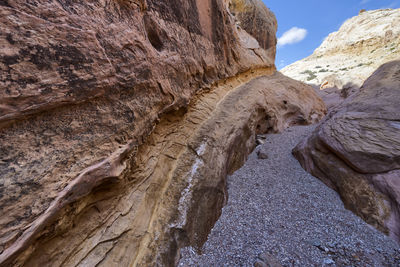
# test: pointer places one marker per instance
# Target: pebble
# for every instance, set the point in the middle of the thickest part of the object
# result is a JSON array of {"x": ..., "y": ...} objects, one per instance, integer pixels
[
  {"x": 261, "y": 154},
  {"x": 328, "y": 261}
]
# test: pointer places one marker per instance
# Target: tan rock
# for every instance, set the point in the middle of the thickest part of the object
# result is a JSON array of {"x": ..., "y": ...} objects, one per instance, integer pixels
[
  {"x": 356, "y": 150},
  {"x": 256, "y": 19},
  {"x": 119, "y": 121}
]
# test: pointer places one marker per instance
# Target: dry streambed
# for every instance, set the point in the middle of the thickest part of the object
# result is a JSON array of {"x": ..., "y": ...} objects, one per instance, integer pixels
[{"x": 278, "y": 209}]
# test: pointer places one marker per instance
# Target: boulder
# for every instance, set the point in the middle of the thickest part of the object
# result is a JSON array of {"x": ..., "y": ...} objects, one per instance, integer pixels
[
  {"x": 356, "y": 150},
  {"x": 119, "y": 121},
  {"x": 262, "y": 153},
  {"x": 256, "y": 19}
]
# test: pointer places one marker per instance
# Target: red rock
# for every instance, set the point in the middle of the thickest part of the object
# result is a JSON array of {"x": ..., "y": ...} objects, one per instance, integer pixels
[
  {"x": 356, "y": 150},
  {"x": 119, "y": 121}
]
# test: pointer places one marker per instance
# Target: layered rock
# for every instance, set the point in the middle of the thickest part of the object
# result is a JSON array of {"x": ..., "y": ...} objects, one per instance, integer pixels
[
  {"x": 356, "y": 150},
  {"x": 349, "y": 56},
  {"x": 119, "y": 121}
]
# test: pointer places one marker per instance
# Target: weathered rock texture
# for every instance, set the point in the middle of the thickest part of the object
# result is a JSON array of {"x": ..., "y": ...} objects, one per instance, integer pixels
[
  {"x": 349, "y": 56},
  {"x": 250, "y": 15},
  {"x": 119, "y": 121},
  {"x": 356, "y": 150}
]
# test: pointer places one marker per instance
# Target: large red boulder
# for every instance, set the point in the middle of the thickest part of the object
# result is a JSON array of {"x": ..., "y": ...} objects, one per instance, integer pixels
[{"x": 356, "y": 150}]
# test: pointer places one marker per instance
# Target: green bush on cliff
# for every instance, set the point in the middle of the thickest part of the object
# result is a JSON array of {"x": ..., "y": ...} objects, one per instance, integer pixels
[{"x": 311, "y": 74}]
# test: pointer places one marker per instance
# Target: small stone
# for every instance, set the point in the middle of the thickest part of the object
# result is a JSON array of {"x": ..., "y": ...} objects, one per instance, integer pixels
[
  {"x": 262, "y": 137},
  {"x": 262, "y": 154},
  {"x": 259, "y": 141},
  {"x": 316, "y": 243},
  {"x": 331, "y": 244},
  {"x": 328, "y": 261}
]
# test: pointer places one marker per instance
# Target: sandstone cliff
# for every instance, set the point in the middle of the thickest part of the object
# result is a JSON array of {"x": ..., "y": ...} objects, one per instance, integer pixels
[
  {"x": 349, "y": 56},
  {"x": 119, "y": 121},
  {"x": 356, "y": 150}
]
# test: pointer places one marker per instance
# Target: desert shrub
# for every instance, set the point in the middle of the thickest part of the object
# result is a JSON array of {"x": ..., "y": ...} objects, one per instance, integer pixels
[
  {"x": 311, "y": 77},
  {"x": 306, "y": 72},
  {"x": 311, "y": 74}
]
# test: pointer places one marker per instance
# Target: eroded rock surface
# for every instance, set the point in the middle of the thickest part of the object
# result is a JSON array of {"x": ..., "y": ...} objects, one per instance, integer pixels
[
  {"x": 356, "y": 150},
  {"x": 119, "y": 121},
  {"x": 255, "y": 18},
  {"x": 349, "y": 56}
]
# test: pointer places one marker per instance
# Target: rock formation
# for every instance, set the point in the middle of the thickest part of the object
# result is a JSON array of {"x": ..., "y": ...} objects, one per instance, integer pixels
[
  {"x": 356, "y": 150},
  {"x": 349, "y": 56},
  {"x": 119, "y": 121}
]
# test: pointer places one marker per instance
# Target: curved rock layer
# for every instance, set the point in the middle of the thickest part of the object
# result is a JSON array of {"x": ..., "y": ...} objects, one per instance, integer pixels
[
  {"x": 356, "y": 150},
  {"x": 140, "y": 205},
  {"x": 119, "y": 121},
  {"x": 349, "y": 56}
]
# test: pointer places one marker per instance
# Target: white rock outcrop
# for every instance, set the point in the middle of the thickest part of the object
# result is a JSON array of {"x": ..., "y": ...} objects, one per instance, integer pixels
[{"x": 349, "y": 56}]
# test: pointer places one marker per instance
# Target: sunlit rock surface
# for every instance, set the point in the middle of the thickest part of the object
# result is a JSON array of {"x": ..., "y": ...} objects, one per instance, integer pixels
[{"x": 346, "y": 58}]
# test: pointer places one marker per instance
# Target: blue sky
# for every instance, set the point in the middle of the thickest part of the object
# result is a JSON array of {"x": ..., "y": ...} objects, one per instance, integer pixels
[{"x": 314, "y": 20}]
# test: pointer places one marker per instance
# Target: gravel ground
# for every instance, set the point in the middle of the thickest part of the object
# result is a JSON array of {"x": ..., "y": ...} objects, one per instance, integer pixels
[{"x": 278, "y": 209}]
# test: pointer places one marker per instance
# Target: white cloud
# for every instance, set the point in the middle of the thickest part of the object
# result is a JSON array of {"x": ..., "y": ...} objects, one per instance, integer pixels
[{"x": 292, "y": 36}]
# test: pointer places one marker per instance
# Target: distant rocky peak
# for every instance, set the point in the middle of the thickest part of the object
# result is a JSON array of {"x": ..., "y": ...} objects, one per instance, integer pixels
[
  {"x": 346, "y": 58},
  {"x": 376, "y": 26}
]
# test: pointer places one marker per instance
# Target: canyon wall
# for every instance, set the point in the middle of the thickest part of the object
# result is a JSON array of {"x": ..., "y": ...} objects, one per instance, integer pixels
[
  {"x": 119, "y": 121},
  {"x": 356, "y": 150}
]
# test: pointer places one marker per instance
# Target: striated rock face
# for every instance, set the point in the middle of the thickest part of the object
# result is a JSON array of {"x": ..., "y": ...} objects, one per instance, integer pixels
[
  {"x": 356, "y": 150},
  {"x": 119, "y": 121},
  {"x": 349, "y": 56},
  {"x": 57, "y": 53}
]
